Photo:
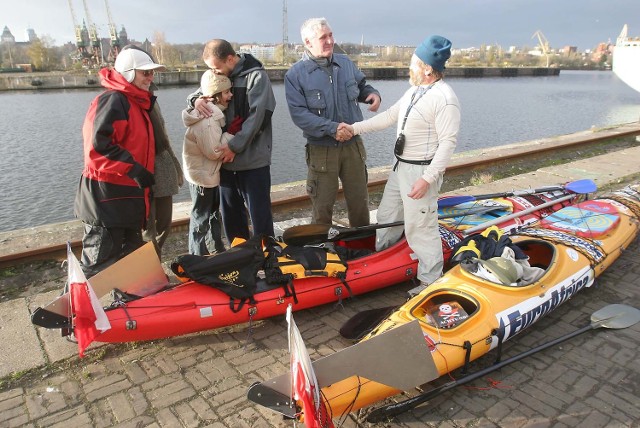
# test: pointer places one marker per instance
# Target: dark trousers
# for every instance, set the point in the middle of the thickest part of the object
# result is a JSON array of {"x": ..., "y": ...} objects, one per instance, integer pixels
[
  {"x": 246, "y": 195},
  {"x": 205, "y": 232},
  {"x": 103, "y": 246},
  {"x": 327, "y": 165}
]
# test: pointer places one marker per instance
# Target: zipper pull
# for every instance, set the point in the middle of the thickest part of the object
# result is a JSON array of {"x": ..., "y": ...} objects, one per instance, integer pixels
[{"x": 331, "y": 79}]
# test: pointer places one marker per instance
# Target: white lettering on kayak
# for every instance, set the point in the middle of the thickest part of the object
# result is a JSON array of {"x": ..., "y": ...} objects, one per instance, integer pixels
[{"x": 515, "y": 319}]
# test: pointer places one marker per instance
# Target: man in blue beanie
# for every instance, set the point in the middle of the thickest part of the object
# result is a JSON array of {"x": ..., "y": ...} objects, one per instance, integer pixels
[{"x": 427, "y": 119}]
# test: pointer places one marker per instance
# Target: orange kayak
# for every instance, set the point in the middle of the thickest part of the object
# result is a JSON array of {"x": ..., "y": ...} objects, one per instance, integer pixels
[{"x": 464, "y": 315}]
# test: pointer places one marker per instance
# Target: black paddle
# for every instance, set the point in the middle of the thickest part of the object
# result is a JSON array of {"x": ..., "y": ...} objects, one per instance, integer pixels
[
  {"x": 612, "y": 316},
  {"x": 363, "y": 322},
  {"x": 581, "y": 187},
  {"x": 308, "y": 234},
  {"x": 314, "y": 233}
]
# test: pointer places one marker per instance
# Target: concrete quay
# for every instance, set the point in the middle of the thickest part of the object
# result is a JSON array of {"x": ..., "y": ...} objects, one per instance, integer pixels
[
  {"x": 201, "y": 380},
  {"x": 191, "y": 77}
]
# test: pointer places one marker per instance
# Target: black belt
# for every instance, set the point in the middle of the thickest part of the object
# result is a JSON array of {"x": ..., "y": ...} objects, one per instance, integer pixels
[{"x": 412, "y": 162}]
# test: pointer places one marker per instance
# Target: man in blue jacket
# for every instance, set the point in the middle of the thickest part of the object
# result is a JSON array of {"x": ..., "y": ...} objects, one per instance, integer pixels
[{"x": 323, "y": 89}]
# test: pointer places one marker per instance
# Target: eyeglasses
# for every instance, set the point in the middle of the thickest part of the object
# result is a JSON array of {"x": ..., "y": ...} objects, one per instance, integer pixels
[{"x": 147, "y": 73}]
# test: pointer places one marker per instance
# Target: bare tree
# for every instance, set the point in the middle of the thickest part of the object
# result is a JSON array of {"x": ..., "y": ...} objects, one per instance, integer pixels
[
  {"x": 159, "y": 46},
  {"x": 43, "y": 54}
]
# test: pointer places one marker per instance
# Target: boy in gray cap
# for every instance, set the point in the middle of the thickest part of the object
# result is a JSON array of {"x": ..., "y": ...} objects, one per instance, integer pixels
[{"x": 428, "y": 119}]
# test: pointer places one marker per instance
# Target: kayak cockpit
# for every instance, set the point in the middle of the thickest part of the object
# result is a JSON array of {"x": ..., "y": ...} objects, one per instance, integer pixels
[
  {"x": 541, "y": 253},
  {"x": 521, "y": 268},
  {"x": 446, "y": 309},
  {"x": 449, "y": 306}
]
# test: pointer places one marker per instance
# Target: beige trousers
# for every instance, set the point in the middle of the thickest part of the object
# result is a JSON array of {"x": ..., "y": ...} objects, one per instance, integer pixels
[{"x": 420, "y": 217}]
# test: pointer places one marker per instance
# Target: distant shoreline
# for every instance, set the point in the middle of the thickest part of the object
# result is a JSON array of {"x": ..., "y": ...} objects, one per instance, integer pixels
[{"x": 64, "y": 80}]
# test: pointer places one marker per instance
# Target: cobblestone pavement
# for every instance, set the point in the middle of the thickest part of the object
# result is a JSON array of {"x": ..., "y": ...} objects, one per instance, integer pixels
[{"x": 201, "y": 380}]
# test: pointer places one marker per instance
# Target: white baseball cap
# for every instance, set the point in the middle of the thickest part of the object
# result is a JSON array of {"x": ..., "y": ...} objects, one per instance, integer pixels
[{"x": 129, "y": 60}]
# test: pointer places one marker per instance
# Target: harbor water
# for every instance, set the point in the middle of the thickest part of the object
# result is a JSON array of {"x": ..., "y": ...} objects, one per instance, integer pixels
[{"x": 41, "y": 144}]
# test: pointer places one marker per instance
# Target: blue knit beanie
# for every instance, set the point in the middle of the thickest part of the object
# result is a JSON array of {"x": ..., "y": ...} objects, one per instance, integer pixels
[{"x": 435, "y": 51}]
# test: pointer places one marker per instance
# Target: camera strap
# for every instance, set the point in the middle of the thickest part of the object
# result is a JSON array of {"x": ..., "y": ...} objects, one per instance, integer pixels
[{"x": 420, "y": 91}]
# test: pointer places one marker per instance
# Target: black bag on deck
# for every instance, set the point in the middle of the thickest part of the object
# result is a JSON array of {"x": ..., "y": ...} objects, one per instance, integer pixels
[{"x": 234, "y": 271}]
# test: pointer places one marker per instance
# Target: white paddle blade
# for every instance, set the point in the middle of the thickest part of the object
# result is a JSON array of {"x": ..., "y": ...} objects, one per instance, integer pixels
[{"x": 616, "y": 316}]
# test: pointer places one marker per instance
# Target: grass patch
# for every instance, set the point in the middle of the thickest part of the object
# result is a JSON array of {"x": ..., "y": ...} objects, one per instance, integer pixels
[
  {"x": 482, "y": 178},
  {"x": 8, "y": 272}
]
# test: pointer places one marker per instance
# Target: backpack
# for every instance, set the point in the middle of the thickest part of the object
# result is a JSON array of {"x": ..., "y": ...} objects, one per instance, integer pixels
[{"x": 233, "y": 272}]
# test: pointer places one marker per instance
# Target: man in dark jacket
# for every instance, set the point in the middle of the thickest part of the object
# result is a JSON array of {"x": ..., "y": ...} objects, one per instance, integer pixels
[
  {"x": 245, "y": 177},
  {"x": 119, "y": 151}
]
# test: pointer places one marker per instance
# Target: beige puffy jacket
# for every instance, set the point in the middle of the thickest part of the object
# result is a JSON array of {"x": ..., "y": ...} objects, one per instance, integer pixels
[{"x": 200, "y": 151}]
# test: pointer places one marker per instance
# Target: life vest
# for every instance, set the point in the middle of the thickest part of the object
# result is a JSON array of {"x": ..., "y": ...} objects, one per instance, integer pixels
[
  {"x": 285, "y": 263},
  {"x": 303, "y": 262}
]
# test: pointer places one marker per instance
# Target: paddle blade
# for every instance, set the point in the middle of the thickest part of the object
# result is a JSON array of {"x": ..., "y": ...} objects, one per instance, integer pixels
[
  {"x": 451, "y": 201},
  {"x": 615, "y": 316},
  {"x": 581, "y": 186},
  {"x": 363, "y": 322},
  {"x": 306, "y": 234}
]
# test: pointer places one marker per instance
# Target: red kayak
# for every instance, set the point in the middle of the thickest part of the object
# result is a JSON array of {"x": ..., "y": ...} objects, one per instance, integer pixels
[{"x": 192, "y": 307}]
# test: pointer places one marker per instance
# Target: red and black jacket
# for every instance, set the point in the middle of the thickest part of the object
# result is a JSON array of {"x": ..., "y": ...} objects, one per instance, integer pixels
[{"x": 118, "y": 136}]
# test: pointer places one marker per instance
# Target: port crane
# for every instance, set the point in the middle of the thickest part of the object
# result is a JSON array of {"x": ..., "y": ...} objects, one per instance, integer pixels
[
  {"x": 113, "y": 34},
  {"x": 543, "y": 43},
  {"x": 81, "y": 40},
  {"x": 96, "y": 45},
  {"x": 285, "y": 33},
  {"x": 89, "y": 45}
]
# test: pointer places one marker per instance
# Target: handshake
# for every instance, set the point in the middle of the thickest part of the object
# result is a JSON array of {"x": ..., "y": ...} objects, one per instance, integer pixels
[{"x": 344, "y": 132}]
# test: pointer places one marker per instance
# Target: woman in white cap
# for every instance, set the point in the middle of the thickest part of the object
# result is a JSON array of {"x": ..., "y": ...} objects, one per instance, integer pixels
[
  {"x": 167, "y": 175},
  {"x": 119, "y": 149},
  {"x": 202, "y": 159},
  {"x": 427, "y": 118}
]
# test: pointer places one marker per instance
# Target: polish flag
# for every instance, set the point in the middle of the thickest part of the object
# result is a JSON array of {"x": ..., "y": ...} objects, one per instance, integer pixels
[
  {"x": 304, "y": 384},
  {"x": 89, "y": 318}
]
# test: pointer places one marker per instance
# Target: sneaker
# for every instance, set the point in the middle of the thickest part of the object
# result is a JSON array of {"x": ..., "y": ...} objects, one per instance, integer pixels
[{"x": 416, "y": 290}]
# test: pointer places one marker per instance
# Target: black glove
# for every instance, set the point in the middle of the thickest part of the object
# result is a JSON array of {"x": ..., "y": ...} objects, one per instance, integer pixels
[{"x": 141, "y": 176}]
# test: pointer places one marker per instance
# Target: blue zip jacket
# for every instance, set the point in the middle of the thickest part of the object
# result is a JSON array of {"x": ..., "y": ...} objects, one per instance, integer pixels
[{"x": 318, "y": 102}]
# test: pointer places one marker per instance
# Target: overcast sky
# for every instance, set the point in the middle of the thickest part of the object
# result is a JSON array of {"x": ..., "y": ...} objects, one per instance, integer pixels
[{"x": 581, "y": 23}]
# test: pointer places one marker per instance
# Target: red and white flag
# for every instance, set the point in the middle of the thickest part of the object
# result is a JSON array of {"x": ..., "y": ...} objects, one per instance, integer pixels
[
  {"x": 304, "y": 384},
  {"x": 88, "y": 316}
]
